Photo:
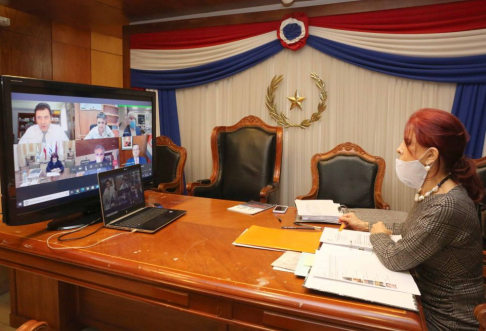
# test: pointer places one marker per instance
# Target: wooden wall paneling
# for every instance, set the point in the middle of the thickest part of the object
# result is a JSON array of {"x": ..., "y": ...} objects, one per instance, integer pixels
[
  {"x": 71, "y": 54},
  {"x": 26, "y": 56},
  {"x": 25, "y": 48},
  {"x": 106, "y": 69},
  {"x": 71, "y": 63},
  {"x": 102, "y": 16},
  {"x": 27, "y": 24},
  {"x": 104, "y": 43},
  {"x": 106, "y": 60},
  {"x": 70, "y": 35}
]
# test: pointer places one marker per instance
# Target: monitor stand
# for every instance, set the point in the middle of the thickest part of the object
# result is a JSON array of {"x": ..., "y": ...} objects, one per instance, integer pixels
[{"x": 74, "y": 221}]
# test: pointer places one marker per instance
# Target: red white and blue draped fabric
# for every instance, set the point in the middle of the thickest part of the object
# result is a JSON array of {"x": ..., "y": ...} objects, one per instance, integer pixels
[{"x": 440, "y": 43}]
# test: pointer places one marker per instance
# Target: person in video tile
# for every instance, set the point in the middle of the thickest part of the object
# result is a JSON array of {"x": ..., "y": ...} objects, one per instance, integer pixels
[
  {"x": 136, "y": 159},
  {"x": 54, "y": 164},
  {"x": 110, "y": 196},
  {"x": 132, "y": 129},
  {"x": 99, "y": 152},
  {"x": 101, "y": 130},
  {"x": 44, "y": 131}
]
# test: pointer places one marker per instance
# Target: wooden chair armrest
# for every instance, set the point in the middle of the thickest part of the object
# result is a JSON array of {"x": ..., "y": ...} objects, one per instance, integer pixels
[
  {"x": 308, "y": 196},
  {"x": 267, "y": 190},
  {"x": 163, "y": 187},
  {"x": 33, "y": 325},
  {"x": 382, "y": 205},
  {"x": 480, "y": 314},
  {"x": 201, "y": 182}
]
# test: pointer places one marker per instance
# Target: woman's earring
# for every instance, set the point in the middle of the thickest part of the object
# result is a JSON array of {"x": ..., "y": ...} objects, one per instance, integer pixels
[{"x": 427, "y": 168}]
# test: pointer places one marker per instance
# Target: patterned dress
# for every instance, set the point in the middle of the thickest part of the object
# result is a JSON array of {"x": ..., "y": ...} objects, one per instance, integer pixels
[{"x": 441, "y": 239}]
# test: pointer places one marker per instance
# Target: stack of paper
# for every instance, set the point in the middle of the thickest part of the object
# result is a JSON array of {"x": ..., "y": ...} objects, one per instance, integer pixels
[
  {"x": 251, "y": 207},
  {"x": 318, "y": 210},
  {"x": 346, "y": 267},
  {"x": 348, "y": 238},
  {"x": 287, "y": 262}
]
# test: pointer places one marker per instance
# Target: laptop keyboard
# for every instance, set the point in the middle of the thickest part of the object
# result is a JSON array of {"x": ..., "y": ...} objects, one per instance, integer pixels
[{"x": 141, "y": 218}]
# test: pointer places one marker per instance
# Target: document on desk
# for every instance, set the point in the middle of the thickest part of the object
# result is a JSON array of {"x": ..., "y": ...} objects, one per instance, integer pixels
[
  {"x": 353, "y": 239},
  {"x": 359, "y": 274},
  {"x": 318, "y": 211},
  {"x": 279, "y": 239},
  {"x": 53, "y": 174},
  {"x": 361, "y": 267}
]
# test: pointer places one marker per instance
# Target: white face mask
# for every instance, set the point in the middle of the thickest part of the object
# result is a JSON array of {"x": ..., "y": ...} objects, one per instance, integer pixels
[{"x": 411, "y": 173}]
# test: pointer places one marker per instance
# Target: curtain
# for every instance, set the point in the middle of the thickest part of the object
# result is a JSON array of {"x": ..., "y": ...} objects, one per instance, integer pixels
[{"x": 356, "y": 112}]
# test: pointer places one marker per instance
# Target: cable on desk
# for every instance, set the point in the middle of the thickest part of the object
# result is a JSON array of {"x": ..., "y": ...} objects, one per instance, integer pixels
[
  {"x": 81, "y": 247},
  {"x": 76, "y": 238}
]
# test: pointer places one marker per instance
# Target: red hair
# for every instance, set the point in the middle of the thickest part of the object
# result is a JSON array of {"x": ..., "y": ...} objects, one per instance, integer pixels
[{"x": 442, "y": 130}]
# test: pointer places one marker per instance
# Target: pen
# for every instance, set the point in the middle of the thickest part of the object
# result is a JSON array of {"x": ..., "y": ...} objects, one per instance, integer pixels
[
  {"x": 342, "y": 227},
  {"x": 297, "y": 227},
  {"x": 308, "y": 226}
]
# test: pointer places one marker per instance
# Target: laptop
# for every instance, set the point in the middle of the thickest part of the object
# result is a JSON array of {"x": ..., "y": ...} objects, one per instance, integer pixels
[{"x": 123, "y": 202}]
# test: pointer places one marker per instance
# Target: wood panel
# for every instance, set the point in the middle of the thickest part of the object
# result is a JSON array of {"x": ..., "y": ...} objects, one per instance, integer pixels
[
  {"x": 43, "y": 296},
  {"x": 106, "y": 69},
  {"x": 27, "y": 24},
  {"x": 26, "y": 56},
  {"x": 70, "y": 35},
  {"x": 115, "y": 311},
  {"x": 104, "y": 43},
  {"x": 71, "y": 63},
  {"x": 93, "y": 15},
  {"x": 3, "y": 280}
]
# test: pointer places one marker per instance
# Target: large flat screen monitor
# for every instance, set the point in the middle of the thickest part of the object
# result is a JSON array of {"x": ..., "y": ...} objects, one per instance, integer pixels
[{"x": 57, "y": 136}]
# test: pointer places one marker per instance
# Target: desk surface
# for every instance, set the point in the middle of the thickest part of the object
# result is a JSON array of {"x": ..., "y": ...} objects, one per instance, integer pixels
[{"x": 191, "y": 265}]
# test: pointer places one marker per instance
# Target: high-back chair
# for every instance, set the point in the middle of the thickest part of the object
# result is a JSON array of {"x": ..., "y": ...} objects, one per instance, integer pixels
[
  {"x": 349, "y": 176},
  {"x": 169, "y": 170},
  {"x": 481, "y": 169},
  {"x": 247, "y": 158}
]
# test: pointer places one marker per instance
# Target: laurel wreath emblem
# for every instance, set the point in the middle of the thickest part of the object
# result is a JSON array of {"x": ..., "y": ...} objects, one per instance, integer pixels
[{"x": 280, "y": 117}]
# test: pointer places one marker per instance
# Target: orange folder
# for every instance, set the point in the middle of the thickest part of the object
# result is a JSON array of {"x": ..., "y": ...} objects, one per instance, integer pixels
[{"x": 279, "y": 239}]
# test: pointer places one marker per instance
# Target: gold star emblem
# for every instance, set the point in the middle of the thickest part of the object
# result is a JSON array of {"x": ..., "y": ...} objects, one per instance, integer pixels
[{"x": 296, "y": 100}]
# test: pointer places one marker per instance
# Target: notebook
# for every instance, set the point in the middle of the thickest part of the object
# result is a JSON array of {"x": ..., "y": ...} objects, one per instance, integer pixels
[{"x": 123, "y": 203}]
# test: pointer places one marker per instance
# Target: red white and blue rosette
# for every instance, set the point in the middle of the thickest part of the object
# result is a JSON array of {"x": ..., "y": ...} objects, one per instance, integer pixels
[{"x": 294, "y": 31}]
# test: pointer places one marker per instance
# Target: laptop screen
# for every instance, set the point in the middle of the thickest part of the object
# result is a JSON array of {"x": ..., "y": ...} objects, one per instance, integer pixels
[{"x": 120, "y": 192}]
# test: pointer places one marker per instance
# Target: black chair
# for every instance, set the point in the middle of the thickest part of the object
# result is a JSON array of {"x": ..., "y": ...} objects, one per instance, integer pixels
[
  {"x": 247, "y": 158},
  {"x": 169, "y": 171},
  {"x": 481, "y": 169},
  {"x": 349, "y": 176}
]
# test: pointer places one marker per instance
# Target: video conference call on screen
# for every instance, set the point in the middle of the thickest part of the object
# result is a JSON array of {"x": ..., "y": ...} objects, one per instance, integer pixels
[{"x": 59, "y": 149}]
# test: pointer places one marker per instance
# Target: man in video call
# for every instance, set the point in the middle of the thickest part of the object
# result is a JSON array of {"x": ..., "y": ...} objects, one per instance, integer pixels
[
  {"x": 109, "y": 196},
  {"x": 136, "y": 159},
  {"x": 44, "y": 131},
  {"x": 99, "y": 152},
  {"x": 132, "y": 129},
  {"x": 101, "y": 130}
]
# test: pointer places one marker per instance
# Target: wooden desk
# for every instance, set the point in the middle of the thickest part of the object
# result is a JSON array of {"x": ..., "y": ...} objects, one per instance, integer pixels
[{"x": 187, "y": 276}]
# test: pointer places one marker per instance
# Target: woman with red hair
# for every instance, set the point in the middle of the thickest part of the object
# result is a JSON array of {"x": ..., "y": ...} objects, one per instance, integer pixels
[{"x": 441, "y": 237}]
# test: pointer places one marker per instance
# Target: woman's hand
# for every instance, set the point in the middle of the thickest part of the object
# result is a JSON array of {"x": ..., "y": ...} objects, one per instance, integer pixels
[
  {"x": 352, "y": 222},
  {"x": 380, "y": 228}
]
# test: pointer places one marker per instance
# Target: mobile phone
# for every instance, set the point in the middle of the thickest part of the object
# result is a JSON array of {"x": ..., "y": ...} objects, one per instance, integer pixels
[{"x": 280, "y": 209}]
